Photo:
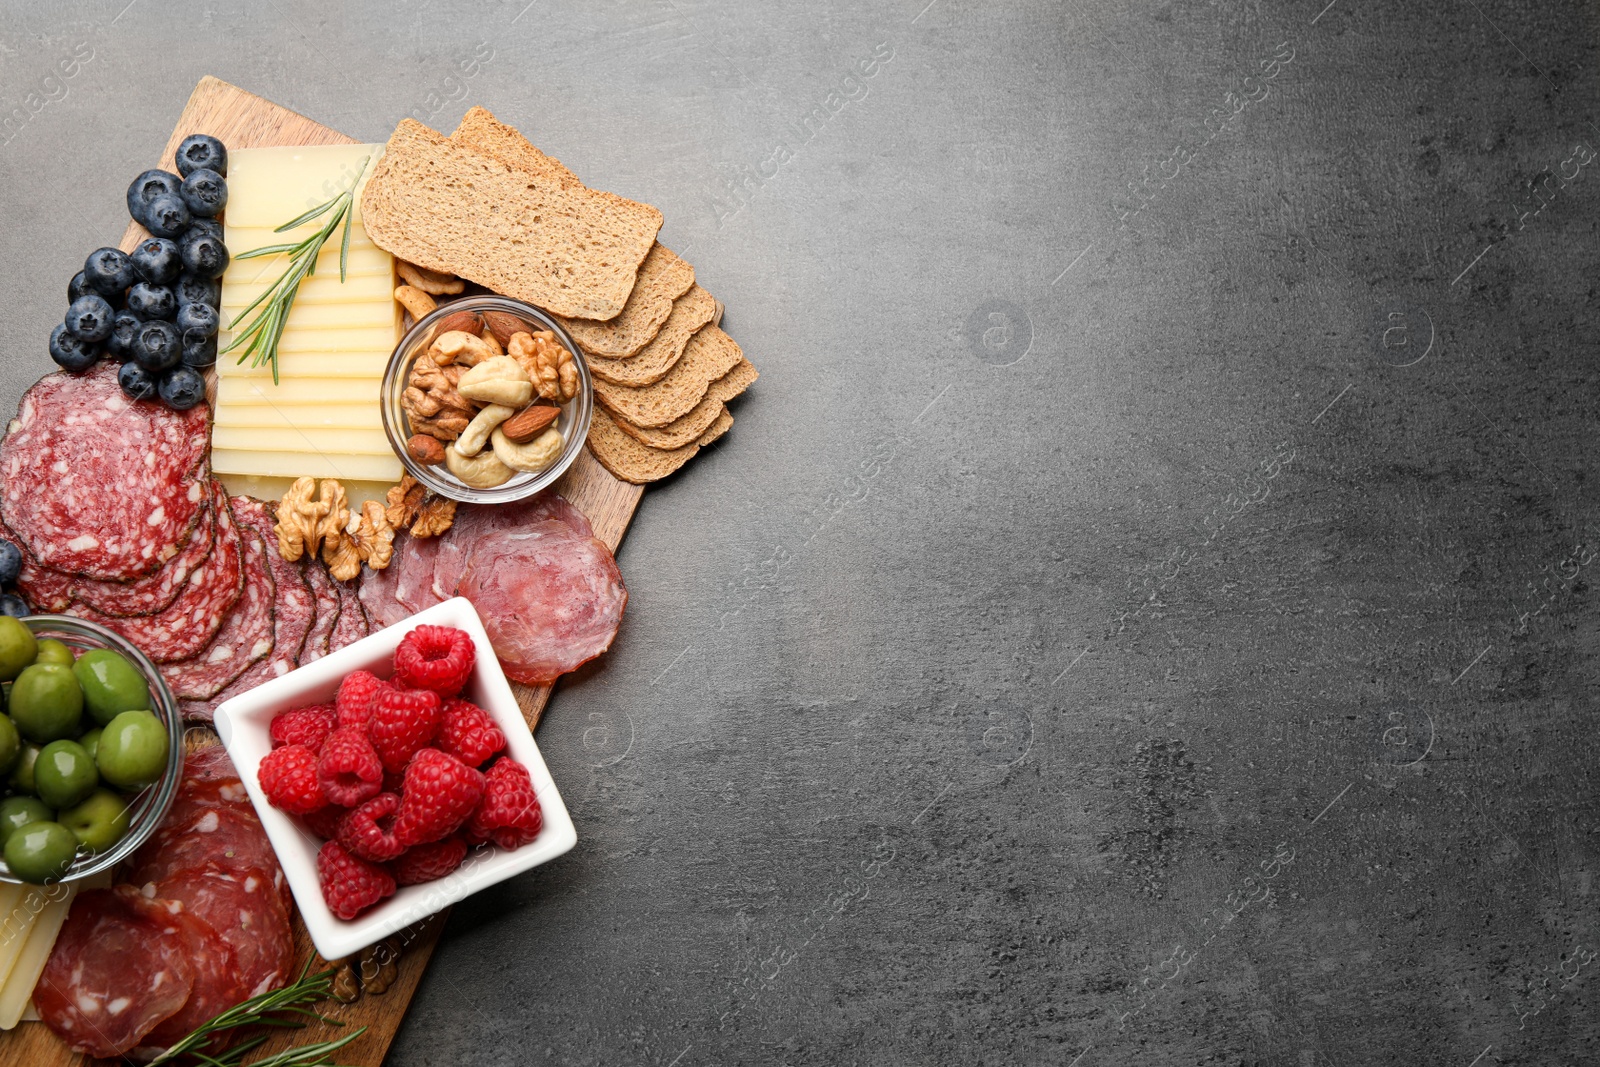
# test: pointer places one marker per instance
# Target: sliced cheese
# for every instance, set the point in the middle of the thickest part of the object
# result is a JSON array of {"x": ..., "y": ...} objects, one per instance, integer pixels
[
  {"x": 287, "y": 464},
  {"x": 337, "y": 442},
  {"x": 346, "y": 416},
  {"x": 362, "y": 315},
  {"x": 302, "y": 391},
  {"x": 44, "y": 925},
  {"x": 269, "y": 186},
  {"x": 266, "y": 487},
  {"x": 15, "y": 921}
]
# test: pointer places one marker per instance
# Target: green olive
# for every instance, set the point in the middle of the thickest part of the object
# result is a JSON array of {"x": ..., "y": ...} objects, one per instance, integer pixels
[
  {"x": 41, "y": 852},
  {"x": 91, "y": 742},
  {"x": 17, "y": 812},
  {"x": 65, "y": 774},
  {"x": 132, "y": 750},
  {"x": 53, "y": 651},
  {"x": 10, "y": 742},
  {"x": 46, "y": 703},
  {"x": 21, "y": 777},
  {"x": 99, "y": 820},
  {"x": 18, "y": 647},
  {"x": 111, "y": 685}
]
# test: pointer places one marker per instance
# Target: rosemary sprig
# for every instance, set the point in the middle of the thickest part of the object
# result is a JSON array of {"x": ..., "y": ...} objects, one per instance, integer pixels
[
  {"x": 261, "y": 335},
  {"x": 276, "y": 1008}
]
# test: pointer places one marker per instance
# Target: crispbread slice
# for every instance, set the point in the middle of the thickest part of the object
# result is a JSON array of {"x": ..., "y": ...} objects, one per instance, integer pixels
[
  {"x": 663, "y": 278},
  {"x": 482, "y": 132},
  {"x": 627, "y": 458},
  {"x": 710, "y": 354},
  {"x": 718, "y": 428},
  {"x": 682, "y": 431},
  {"x": 690, "y": 312},
  {"x": 571, "y": 251}
]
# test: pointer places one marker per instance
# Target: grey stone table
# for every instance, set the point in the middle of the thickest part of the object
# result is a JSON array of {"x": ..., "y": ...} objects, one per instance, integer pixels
[{"x": 1145, "y": 611}]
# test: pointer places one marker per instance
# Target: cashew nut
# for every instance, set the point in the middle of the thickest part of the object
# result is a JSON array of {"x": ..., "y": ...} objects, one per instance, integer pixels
[
  {"x": 497, "y": 380},
  {"x": 534, "y": 456},
  {"x": 476, "y": 435},
  {"x": 483, "y": 471},
  {"x": 459, "y": 346}
]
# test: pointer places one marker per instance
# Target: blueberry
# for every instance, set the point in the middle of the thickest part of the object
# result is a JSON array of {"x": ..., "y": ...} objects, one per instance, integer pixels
[
  {"x": 203, "y": 255},
  {"x": 157, "y": 261},
  {"x": 152, "y": 301},
  {"x": 146, "y": 187},
  {"x": 205, "y": 192},
  {"x": 12, "y": 604},
  {"x": 124, "y": 329},
  {"x": 211, "y": 226},
  {"x": 89, "y": 317},
  {"x": 78, "y": 286},
  {"x": 182, "y": 388},
  {"x": 108, "y": 271},
  {"x": 10, "y": 563},
  {"x": 70, "y": 352},
  {"x": 157, "y": 346},
  {"x": 136, "y": 381},
  {"x": 197, "y": 321},
  {"x": 200, "y": 353},
  {"x": 194, "y": 290},
  {"x": 200, "y": 151},
  {"x": 166, "y": 216}
]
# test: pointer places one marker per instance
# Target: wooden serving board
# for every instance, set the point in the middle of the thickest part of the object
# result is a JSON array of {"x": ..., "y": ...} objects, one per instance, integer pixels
[{"x": 244, "y": 120}]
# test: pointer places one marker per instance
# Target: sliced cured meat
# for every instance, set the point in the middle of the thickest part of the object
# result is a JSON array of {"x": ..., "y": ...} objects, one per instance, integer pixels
[
  {"x": 550, "y": 598},
  {"x": 244, "y": 909},
  {"x": 227, "y": 838},
  {"x": 120, "y": 966},
  {"x": 472, "y": 521},
  {"x": 293, "y": 609},
  {"x": 377, "y": 587},
  {"x": 189, "y": 623},
  {"x": 208, "y": 763},
  {"x": 414, "y": 583},
  {"x": 98, "y": 485},
  {"x": 326, "y": 594},
  {"x": 352, "y": 625},
  {"x": 244, "y": 638},
  {"x": 154, "y": 592},
  {"x": 218, "y": 985}
]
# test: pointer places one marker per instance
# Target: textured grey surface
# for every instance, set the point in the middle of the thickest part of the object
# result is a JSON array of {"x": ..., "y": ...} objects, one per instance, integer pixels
[{"x": 1089, "y": 637}]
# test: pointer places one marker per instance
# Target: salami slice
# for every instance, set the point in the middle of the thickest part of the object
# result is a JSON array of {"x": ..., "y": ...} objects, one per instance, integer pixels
[
  {"x": 186, "y": 625},
  {"x": 218, "y": 985},
  {"x": 377, "y": 587},
  {"x": 155, "y": 592},
  {"x": 244, "y": 638},
  {"x": 326, "y": 594},
  {"x": 208, "y": 763},
  {"x": 126, "y": 479},
  {"x": 551, "y": 599},
  {"x": 120, "y": 966},
  {"x": 352, "y": 625},
  {"x": 244, "y": 909},
  {"x": 472, "y": 521},
  {"x": 224, "y": 838},
  {"x": 293, "y": 608}
]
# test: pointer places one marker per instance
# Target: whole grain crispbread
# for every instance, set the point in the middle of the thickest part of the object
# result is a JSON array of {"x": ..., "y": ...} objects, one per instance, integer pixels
[
  {"x": 571, "y": 251},
  {"x": 718, "y": 428},
  {"x": 690, "y": 312},
  {"x": 709, "y": 355},
  {"x": 482, "y": 132},
  {"x": 663, "y": 278},
  {"x": 681, "y": 431},
  {"x": 627, "y": 458}
]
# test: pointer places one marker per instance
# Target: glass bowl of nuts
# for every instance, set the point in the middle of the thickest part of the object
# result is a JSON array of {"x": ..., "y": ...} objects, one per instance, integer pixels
[{"x": 487, "y": 400}]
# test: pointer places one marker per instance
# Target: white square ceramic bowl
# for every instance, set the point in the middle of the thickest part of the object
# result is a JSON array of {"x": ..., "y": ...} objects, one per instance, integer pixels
[{"x": 243, "y": 721}]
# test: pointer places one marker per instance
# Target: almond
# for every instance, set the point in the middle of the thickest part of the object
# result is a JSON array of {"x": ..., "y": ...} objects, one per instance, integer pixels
[
  {"x": 529, "y": 423},
  {"x": 425, "y": 449},
  {"x": 504, "y": 324},
  {"x": 460, "y": 321}
]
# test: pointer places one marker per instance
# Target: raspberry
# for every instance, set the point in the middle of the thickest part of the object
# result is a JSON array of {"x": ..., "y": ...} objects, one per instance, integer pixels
[
  {"x": 304, "y": 726},
  {"x": 440, "y": 792},
  {"x": 349, "y": 768},
  {"x": 439, "y": 658},
  {"x": 350, "y": 884},
  {"x": 427, "y": 862},
  {"x": 356, "y": 697},
  {"x": 289, "y": 778},
  {"x": 468, "y": 733},
  {"x": 404, "y": 721},
  {"x": 325, "y": 821},
  {"x": 509, "y": 815},
  {"x": 368, "y": 831}
]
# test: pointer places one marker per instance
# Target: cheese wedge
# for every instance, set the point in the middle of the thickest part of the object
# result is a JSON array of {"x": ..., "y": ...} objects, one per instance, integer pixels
[
  {"x": 321, "y": 416},
  {"x": 45, "y": 918}
]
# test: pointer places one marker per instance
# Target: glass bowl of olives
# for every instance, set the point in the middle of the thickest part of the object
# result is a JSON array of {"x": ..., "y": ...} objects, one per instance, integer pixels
[{"x": 91, "y": 749}]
